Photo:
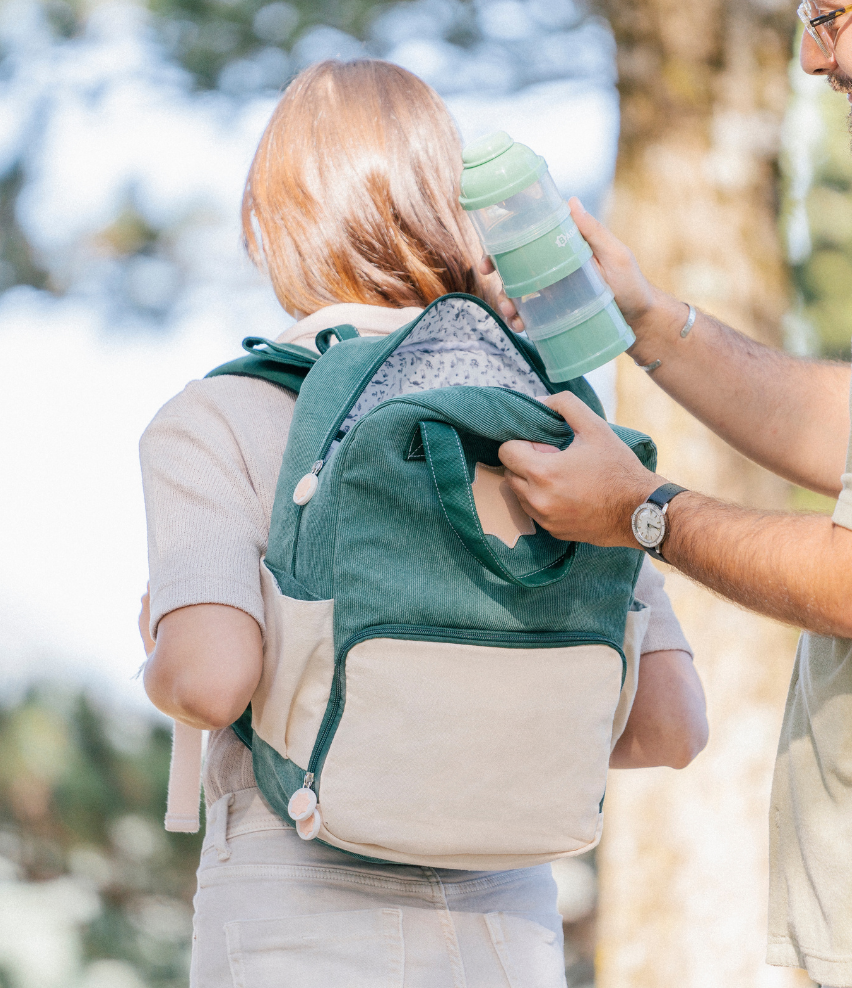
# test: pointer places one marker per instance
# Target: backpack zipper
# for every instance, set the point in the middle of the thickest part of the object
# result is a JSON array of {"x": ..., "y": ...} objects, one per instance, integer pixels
[{"x": 457, "y": 636}]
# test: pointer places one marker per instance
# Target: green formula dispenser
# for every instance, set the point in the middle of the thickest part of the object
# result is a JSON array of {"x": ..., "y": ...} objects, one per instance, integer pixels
[{"x": 546, "y": 266}]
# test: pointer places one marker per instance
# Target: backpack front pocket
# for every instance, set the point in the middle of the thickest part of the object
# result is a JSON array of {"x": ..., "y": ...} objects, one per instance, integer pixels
[{"x": 439, "y": 742}]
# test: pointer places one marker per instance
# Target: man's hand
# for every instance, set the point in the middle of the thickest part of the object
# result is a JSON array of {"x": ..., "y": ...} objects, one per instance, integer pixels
[
  {"x": 586, "y": 493},
  {"x": 747, "y": 393},
  {"x": 646, "y": 309},
  {"x": 796, "y": 568}
]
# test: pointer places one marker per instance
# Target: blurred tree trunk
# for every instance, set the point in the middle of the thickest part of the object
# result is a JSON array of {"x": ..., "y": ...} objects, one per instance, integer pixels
[{"x": 684, "y": 861}]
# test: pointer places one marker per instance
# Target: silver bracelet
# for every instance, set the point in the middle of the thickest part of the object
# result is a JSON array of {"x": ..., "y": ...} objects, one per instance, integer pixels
[
  {"x": 650, "y": 368},
  {"x": 690, "y": 322}
]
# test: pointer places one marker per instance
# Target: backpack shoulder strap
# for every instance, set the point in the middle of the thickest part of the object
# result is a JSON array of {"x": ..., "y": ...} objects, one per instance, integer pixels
[{"x": 284, "y": 364}]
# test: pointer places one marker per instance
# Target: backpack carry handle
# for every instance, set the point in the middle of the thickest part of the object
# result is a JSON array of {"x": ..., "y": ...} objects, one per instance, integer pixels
[
  {"x": 284, "y": 364},
  {"x": 323, "y": 337},
  {"x": 282, "y": 353},
  {"x": 447, "y": 462}
]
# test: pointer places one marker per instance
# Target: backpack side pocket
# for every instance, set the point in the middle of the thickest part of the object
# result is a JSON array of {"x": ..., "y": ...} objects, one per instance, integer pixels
[
  {"x": 634, "y": 635},
  {"x": 298, "y": 666}
]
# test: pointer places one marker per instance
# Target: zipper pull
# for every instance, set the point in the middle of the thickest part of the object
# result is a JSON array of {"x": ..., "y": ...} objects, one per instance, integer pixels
[
  {"x": 304, "y": 810},
  {"x": 309, "y": 828},
  {"x": 303, "y": 801},
  {"x": 307, "y": 486}
]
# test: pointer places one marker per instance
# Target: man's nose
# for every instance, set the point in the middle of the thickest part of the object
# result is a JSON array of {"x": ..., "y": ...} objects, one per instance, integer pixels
[{"x": 812, "y": 59}]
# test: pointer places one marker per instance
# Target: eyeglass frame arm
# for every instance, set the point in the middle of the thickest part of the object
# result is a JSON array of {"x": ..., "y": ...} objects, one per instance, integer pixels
[
  {"x": 830, "y": 16},
  {"x": 812, "y": 23}
]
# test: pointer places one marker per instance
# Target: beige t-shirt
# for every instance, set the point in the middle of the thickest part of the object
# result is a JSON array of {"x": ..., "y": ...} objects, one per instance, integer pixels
[
  {"x": 810, "y": 823},
  {"x": 210, "y": 463}
]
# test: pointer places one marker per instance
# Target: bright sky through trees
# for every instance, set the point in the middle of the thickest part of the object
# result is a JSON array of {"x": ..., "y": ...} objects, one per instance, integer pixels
[{"x": 125, "y": 137}]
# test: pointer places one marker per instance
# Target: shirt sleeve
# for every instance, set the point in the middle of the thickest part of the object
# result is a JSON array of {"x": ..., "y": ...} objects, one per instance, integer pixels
[
  {"x": 204, "y": 484},
  {"x": 843, "y": 510},
  {"x": 664, "y": 631}
]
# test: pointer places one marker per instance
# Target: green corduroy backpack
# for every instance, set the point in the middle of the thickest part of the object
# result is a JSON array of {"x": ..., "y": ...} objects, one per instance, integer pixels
[{"x": 442, "y": 679}]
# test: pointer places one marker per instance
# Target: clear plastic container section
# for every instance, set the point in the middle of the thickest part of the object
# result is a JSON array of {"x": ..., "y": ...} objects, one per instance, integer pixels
[
  {"x": 555, "y": 303},
  {"x": 510, "y": 221}
]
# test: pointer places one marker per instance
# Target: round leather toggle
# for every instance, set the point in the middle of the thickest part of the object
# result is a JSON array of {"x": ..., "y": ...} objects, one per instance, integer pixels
[
  {"x": 302, "y": 803},
  {"x": 305, "y": 489},
  {"x": 308, "y": 828}
]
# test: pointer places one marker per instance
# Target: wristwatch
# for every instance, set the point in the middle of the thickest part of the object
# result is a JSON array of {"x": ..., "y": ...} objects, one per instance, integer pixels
[{"x": 649, "y": 519}]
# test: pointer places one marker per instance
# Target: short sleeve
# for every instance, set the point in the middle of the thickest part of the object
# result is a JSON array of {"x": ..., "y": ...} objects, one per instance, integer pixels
[
  {"x": 664, "y": 631},
  {"x": 843, "y": 510},
  {"x": 210, "y": 461}
]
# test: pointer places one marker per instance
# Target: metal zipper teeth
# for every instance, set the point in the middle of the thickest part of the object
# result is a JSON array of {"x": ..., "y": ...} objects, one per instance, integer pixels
[{"x": 450, "y": 636}]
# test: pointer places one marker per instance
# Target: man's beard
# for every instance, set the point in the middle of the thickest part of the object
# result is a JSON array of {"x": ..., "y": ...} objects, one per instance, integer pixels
[{"x": 841, "y": 83}]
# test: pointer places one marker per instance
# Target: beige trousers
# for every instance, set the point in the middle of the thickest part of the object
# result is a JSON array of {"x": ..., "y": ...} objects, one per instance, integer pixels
[{"x": 273, "y": 911}]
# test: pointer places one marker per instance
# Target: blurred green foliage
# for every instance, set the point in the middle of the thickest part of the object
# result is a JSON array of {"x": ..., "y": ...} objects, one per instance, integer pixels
[
  {"x": 82, "y": 795},
  {"x": 810, "y": 502},
  {"x": 205, "y": 35},
  {"x": 18, "y": 264},
  {"x": 243, "y": 47},
  {"x": 825, "y": 278}
]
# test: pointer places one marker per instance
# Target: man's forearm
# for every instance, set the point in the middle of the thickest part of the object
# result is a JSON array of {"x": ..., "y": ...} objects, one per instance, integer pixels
[
  {"x": 789, "y": 415},
  {"x": 795, "y": 568}
]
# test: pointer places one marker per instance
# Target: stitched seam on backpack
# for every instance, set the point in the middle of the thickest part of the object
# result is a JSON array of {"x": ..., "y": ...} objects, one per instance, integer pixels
[
  {"x": 483, "y": 540},
  {"x": 472, "y": 503},
  {"x": 441, "y": 500}
]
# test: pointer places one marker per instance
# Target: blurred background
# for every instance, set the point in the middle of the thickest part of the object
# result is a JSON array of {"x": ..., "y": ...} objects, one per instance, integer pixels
[{"x": 126, "y": 131}]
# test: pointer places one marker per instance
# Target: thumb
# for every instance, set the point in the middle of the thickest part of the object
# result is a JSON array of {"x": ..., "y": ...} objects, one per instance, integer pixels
[
  {"x": 576, "y": 413},
  {"x": 519, "y": 456},
  {"x": 603, "y": 243}
]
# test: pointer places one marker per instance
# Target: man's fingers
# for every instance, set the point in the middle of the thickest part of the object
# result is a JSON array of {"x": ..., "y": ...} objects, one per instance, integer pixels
[
  {"x": 510, "y": 314},
  {"x": 610, "y": 253},
  {"x": 544, "y": 448},
  {"x": 521, "y": 488},
  {"x": 594, "y": 232},
  {"x": 519, "y": 457},
  {"x": 505, "y": 305},
  {"x": 575, "y": 412},
  {"x": 530, "y": 460}
]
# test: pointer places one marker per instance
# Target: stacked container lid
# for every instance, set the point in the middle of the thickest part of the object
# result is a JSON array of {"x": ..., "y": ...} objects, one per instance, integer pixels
[{"x": 546, "y": 265}]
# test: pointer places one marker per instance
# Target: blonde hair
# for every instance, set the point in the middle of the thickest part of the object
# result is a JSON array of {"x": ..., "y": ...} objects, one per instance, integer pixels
[{"x": 353, "y": 192}]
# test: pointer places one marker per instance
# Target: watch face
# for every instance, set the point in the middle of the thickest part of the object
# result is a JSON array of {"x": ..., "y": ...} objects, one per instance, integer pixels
[{"x": 649, "y": 525}]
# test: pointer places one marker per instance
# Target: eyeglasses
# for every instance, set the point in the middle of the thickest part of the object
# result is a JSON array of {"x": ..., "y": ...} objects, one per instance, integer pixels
[{"x": 820, "y": 24}]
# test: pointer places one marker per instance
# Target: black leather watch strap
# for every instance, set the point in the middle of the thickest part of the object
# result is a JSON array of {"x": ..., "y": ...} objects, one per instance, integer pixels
[{"x": 661, "y": 497}]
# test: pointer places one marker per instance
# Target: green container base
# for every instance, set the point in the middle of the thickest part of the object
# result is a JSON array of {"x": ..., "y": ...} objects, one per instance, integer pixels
[{"x": 585, "y": 347}]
